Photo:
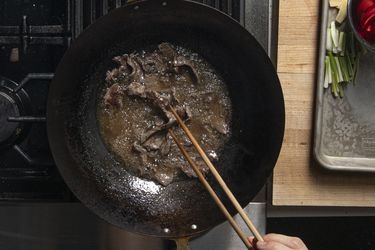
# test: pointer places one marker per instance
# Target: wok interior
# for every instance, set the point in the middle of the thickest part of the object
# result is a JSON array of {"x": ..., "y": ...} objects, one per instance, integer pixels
[{"x": 101, "y": 182}]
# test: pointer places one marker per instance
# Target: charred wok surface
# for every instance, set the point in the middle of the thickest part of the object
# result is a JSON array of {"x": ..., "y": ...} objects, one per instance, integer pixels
[{"x": 134, "y": 115}]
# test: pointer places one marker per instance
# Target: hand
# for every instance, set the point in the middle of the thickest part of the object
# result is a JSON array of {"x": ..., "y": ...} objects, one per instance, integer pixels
[{"x": 278, "y": 242}]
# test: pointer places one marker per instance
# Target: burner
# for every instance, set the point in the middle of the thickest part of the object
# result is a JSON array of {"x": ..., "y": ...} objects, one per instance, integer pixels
[{"x": 13, "y": 103}]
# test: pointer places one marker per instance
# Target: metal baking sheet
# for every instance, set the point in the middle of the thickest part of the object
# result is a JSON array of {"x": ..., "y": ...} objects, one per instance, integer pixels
[{"x": 344, "y": 136}]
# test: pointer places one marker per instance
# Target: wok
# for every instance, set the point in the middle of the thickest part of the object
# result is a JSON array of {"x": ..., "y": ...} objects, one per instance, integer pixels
[{"x": 100, "y": 181}]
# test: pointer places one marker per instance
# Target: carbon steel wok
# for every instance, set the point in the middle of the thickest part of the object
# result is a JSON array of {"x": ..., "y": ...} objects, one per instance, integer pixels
[{"x": 93, "y": 173}]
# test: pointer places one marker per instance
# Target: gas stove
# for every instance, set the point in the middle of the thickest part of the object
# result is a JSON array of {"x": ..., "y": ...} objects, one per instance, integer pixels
[
  {"x": 34, "y": 34},
  {"x": 33, "y": 38}
]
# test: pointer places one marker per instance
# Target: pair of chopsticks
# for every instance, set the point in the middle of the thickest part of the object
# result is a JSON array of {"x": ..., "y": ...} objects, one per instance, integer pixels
[{"x": 220, "y": 180}]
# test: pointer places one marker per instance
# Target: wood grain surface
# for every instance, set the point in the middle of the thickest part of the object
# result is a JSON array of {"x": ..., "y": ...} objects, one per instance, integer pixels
[{"x": 298, "y": 180}]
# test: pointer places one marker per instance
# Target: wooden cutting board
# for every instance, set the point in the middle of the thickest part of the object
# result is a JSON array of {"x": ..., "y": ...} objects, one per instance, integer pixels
[{"x": 297, "y": 179}]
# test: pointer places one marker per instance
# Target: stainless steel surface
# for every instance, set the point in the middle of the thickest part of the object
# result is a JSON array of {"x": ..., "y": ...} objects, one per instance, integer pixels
[
  {"x": 345, "y": 128},
  {"x": 261, "y": 19},
  {"x": 64, "y": 226},
  {"x": 257, "y": 20},
  {"x": 74, "y": 227}
]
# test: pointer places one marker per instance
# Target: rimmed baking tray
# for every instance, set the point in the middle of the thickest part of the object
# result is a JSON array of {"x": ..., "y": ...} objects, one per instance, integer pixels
[{"x": 344, "y": 136}]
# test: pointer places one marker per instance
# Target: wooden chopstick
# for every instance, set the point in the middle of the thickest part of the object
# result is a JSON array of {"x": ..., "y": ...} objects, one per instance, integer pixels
[
  {"x": 211, "y": 191},
  {"x": 217, "y": 176}
]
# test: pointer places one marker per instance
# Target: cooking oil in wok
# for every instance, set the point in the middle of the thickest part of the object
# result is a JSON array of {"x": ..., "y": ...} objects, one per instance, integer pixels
[{"x": 208, "y": 100}]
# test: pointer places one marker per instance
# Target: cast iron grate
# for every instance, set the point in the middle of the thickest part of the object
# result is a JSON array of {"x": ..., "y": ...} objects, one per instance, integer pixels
[{"x": 34, "y": 34}]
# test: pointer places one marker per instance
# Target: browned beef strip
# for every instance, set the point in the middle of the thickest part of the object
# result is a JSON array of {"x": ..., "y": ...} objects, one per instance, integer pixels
[
  {"x": 219, "y": 124},
  {"x": 165, "y": 174},
  {"x": 162, "y": 100},
  {"x": 137, "y": 74},
  {"x": 122, "y": 70},
  {"x": 188, "y": 170},
  {"x": 181, "y": 63},
  {"x": 112, "y": 75},
  {"x": 167, "y": 52},
  {"x": 153, "y": 63},
  {"x": 165, "y": 146},
  {"x": 122, "y": 60},
  {"x": 154, "y": 142},
  {"x": 113, "y": 96},
  {"x": 144, "y": 157},
  {"x": 136, "y": 89}
]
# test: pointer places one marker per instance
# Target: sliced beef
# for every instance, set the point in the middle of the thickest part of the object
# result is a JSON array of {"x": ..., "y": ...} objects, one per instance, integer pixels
[
  {"x": 115, "y": 74},
  {"x": 219, "y": 124},
  {"x": 122, "y": 60},
  {"x": 167, "y": 52},
  {"x": 151, "y": 76},
  {"x": 112, "y": 75},
  {"x": 137, "y": 74},
  {"x": 136, "y": 89},
  {"x": 180, "y": 63},
  {"x": 183, "y": 64},
  {"x": 154, "y": 142},
  {"x": 161, "y": 100},
  {"x": 165, "y": 147},
  {"x": 188, "y": 170},
  {"x": 113, "y": 96},
  {"x": 165, "y": 174},
  {"x": 153, "y": 63},
  {"x": 155, "y": 139},
  {"x": 145, "y": 162}
]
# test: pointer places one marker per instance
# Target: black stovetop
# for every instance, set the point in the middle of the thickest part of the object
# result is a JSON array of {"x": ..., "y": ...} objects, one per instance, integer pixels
[{"x": 34, "y": 35}]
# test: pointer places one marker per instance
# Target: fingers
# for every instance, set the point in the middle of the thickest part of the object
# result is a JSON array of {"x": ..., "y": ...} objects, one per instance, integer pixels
[
  {"x": 252, "y": 242},
  {"x": 278, "y": 242},
  {"x": 271, "y": 245},
  {"x": 251, "y": 239},
  {"x": 294, "y": 243},
  {"x": 267, "y": 245}
]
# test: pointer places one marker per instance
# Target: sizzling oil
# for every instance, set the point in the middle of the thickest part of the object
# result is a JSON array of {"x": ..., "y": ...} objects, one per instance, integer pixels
[{"x": 210, "y": 123}]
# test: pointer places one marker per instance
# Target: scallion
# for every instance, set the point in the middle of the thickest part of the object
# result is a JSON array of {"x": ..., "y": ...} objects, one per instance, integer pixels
[
  {"x": 329, "y": 40},
  {"x": 326, "y": 62},
  {"x": 341, "y": 41},
  {"x": 344, "y": 68},
  {"x": 334, "y": 34}
]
